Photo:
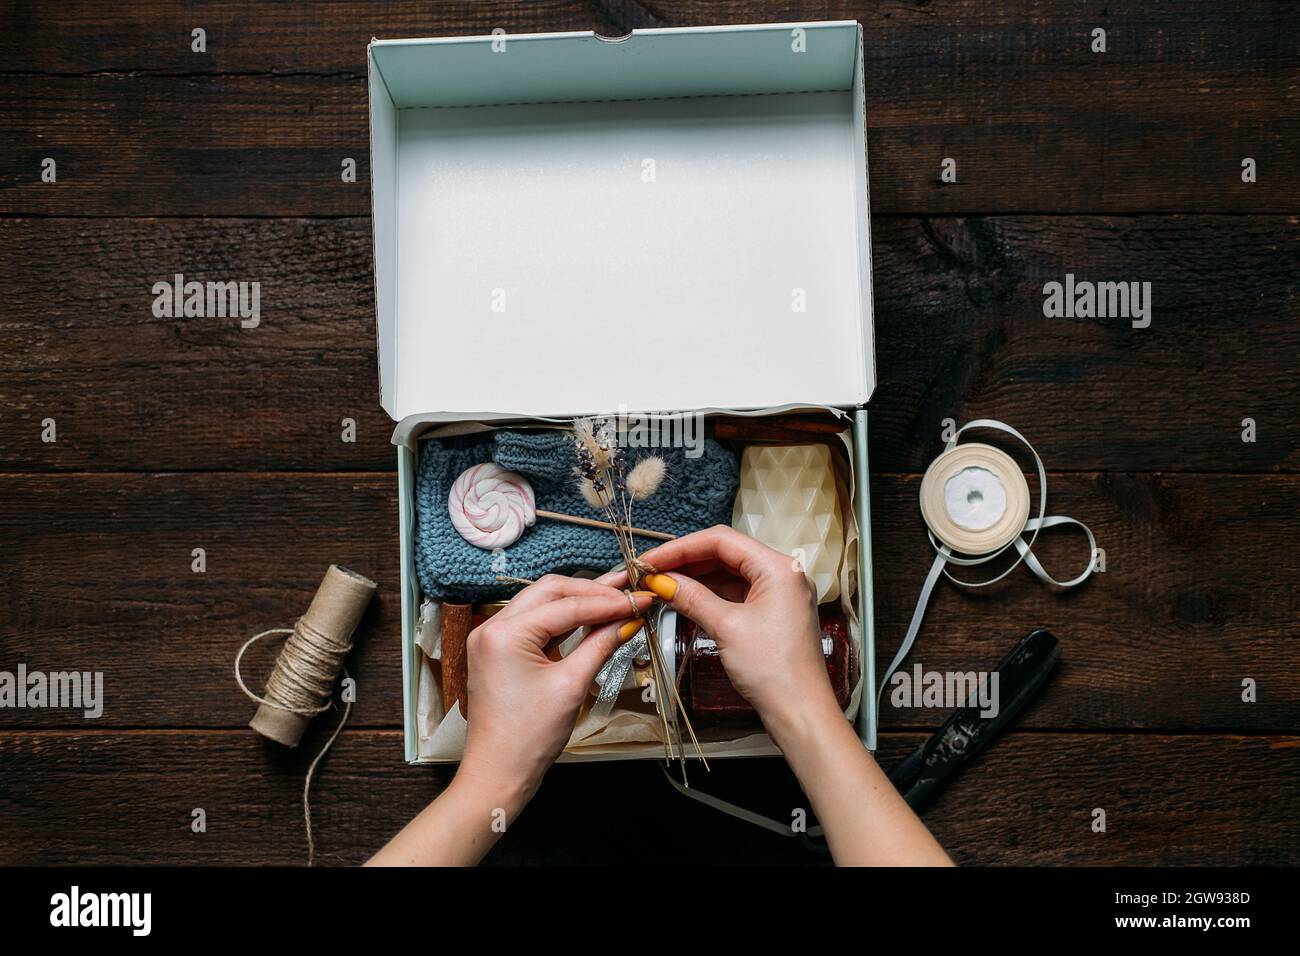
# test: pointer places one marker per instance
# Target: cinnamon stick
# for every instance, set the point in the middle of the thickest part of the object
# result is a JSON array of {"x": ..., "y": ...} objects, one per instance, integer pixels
[
  {"x": 457, "y": 622},
  {"x": 777, "y": 428}
]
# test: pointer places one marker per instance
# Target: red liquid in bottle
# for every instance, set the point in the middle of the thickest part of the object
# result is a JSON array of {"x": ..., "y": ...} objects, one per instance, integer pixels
[{"x": 709, "y": 693}]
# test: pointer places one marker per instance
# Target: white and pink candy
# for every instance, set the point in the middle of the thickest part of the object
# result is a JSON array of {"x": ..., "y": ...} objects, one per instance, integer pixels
[{"x": 491, "y": 506}]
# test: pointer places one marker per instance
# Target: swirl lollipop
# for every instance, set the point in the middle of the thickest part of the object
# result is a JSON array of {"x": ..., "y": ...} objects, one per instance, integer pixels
[{"x": 491, "y": 507}]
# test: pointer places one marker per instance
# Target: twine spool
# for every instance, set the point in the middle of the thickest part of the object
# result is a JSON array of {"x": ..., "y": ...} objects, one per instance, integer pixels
[
  {"x": 302, "y": 682},
  {"x": 312, "y": 658}
]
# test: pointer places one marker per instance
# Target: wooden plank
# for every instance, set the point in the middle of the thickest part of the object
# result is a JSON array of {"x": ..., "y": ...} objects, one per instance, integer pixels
[
  {"x": 106, "y": 798},
  {"x": 109, "y": 558},
  {"x": 187, "y": 146},
  {"x": 330, "y": 36},
  {"x": 1197, "y": 595},
  {"x": 141, "y": 125},
  {"x": 959, "y": 330},
  {"x": 961, "y": 333},
  {"x": 128, "y": 390}
]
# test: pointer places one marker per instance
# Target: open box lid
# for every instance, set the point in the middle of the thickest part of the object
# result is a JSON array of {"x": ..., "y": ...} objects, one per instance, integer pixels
[{"x": 675, "y": 220}]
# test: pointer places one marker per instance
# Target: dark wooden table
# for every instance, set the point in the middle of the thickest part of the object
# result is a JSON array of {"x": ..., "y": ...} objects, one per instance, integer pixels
[{"x": 177, "y": 434}]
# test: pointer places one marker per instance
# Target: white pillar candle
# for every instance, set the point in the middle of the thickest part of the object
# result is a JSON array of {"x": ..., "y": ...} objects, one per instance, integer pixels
[{"x": 789, "y": 501}]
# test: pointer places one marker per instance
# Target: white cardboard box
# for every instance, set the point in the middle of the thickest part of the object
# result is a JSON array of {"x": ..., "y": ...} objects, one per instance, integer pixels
[{"x": 701, "y": 192}]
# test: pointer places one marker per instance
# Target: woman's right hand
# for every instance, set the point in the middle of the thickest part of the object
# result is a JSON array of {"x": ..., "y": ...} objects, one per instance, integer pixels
[{"x": 760, "y": 608}]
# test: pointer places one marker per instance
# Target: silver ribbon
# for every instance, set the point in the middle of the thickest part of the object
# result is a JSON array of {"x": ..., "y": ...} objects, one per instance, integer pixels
[{"x": 613, "y": 674}]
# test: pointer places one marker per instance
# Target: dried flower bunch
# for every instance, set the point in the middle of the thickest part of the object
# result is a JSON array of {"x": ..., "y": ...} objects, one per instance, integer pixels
[
  {"x": 611, "y": 487},
  {"x": 604, "y": 479}
]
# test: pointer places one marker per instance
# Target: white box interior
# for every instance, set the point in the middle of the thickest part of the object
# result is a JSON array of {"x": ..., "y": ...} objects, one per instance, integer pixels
[{"x": 531, "y": 252}]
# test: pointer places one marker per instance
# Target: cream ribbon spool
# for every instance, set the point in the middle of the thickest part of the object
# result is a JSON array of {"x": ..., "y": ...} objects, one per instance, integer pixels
[
  {"x": 974, "y": 498},
  {"x": 981, "y": 526}
]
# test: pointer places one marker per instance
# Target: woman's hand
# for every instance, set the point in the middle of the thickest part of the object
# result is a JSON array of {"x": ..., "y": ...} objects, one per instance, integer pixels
[
  {"x": 760, "y": 608},
  {"x": 525, "y": 707},
  {"x": 525, "y": 704}
]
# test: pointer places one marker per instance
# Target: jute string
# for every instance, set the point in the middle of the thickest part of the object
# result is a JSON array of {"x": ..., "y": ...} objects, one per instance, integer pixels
[
  {"x": 304, "y": 675},
  {"x": 639, "y": 570},
  {"x": 301, "y": 684}
]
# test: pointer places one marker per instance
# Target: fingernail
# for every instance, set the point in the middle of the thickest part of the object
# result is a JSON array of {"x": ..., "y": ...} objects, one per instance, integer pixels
[
  {"x": 643, "y": 594},
  {"x": 663, "y": 586},
  {"x": 630, "y": 629}
]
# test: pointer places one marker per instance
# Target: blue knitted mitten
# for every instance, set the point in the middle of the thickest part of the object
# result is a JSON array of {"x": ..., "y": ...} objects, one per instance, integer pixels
[{"x": 696, "y": 493}]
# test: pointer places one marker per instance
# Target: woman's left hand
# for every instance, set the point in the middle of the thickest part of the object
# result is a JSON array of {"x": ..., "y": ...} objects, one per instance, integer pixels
[
  {"x": 525, "y": 705},
  {"x": 524, "y": 708}
]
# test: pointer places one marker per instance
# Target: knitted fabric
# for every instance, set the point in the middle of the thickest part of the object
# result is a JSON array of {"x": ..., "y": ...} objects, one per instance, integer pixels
[{"x": 696, "y": 493}]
